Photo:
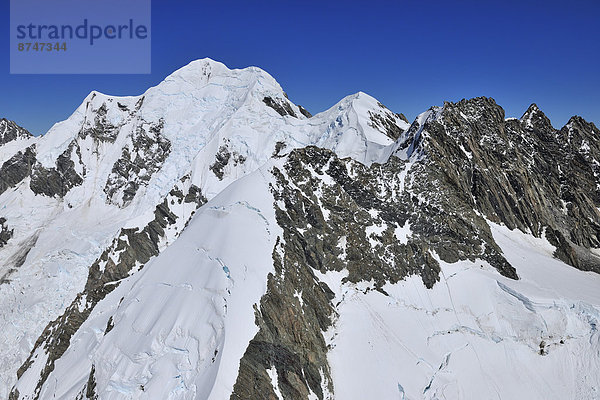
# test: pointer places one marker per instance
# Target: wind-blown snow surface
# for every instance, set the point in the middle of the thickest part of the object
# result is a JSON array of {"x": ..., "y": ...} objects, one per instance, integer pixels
[
  {"x": 182, "y": 324},
  {"x": 475, "y": 335},
  {"x": 202, "y": 108}
]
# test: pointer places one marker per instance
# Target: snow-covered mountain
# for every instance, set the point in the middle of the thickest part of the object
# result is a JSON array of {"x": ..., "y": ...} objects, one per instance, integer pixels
[{"x": 210, "y": 239}]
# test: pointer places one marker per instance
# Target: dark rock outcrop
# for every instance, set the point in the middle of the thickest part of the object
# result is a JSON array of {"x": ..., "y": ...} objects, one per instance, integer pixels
[
  {"x": 17, "y": 168},
  {"x": 10, "y": 131},
  {"x": 305, "y": 112},
  {"x": 58, "y": 181},
  {"x": 5, "y": 232},
  {"x": 139, "y": 160},
  {"x": 467, "y": 165},
  {"x": 100, "y": 129},
  {"x": 522, "y": 173},
  {"x": 17, "y": 260},
  {"x": 282, "y": 107},
  {"x": 346, "y": 216},
  {"x": 385, "y": 121},
  {"x": 222, "y": 159}
]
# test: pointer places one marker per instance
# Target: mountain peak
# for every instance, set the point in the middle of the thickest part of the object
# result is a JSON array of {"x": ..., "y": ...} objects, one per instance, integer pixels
[
  {"x": 577, "y": 120},
  {"x": 204, "y": 67},
  {"x": 356, "y": 98},
  {"x": 202, "y": 72},
  {"x": 10, "y": 131},
  {"x": 480, "y": 101},
  {"x": 475, "y": 109},
  {"x": 535, "y": 119},
  {"x": 376, "y": 124},
  {"x": 173, "y": 242}
]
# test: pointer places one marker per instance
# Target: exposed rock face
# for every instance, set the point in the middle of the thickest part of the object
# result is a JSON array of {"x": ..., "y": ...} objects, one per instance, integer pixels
[
  {"x": 478, "y": 165},
  {"x": 339, "y": 215},
  {"x": 304, "y": 112},
  {"x": 195, "y": 195},
  {"x": 143, "y": 156},
  {"x": 281, "y": 106},
  {"x": 403, "y": 117},
  {"x": 58, "y": 181},
  {"x": 10, "y": 131},
  {"x": 386, "y": 122},
  {"x": 524, "y": 173},
  {"x": 100, "y": 128},
  {"x": 18, "y": 258},
  {"x": 90, "y": 387},
  {"x": 5, "y": 232},
  {"x": 222, "y": 159},
  {"x": 17, "y": 168}
]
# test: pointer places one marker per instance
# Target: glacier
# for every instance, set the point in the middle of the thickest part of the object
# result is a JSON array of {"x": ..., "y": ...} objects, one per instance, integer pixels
[{"x": 148, "y": 274}]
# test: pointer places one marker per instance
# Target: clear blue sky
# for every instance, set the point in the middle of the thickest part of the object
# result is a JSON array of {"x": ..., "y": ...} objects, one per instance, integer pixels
[{"x": 409, "y": 55}]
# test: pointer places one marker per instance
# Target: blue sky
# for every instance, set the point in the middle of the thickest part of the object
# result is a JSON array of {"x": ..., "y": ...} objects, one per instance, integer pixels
[{"x": 409, "y": 55}]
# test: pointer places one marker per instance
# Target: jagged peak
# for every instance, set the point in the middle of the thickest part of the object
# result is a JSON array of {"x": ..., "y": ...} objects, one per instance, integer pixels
[
  {"x": 480, "y": 101},
  {"x": 10, "y": 131},
  {"x": 403, "y": 117},
  {"x": 475, "y": 109},
  {"x": 534, "y": 118},
  {"x": 533, "y": 108},
  {"x": 577, "y": 120},
  {"x": 434, "y": 113},
  {"x": 9, "y": 123}
]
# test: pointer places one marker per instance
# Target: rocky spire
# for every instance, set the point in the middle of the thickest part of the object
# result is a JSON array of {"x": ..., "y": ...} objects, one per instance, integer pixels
[{"x": 535, "y": 119}]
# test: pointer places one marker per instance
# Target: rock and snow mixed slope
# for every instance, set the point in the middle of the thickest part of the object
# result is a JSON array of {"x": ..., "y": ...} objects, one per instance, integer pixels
[
  {"x": 211, "y": 239},
  {"x": 473, "y": 335},
  {"x": 106, "y": 171}
]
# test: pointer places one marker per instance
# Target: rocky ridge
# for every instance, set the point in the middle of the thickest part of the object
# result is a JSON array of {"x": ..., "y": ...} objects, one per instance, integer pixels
[
  {"x": 355, "y": 190},
  {"x": 10, "y": 131}
]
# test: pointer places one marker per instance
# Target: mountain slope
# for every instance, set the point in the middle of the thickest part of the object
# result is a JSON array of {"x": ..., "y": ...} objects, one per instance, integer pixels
[
  {"x": 9, "y": 131},
  {"x": 224, "y": 243},
  {"x": 138, "y": 167}
]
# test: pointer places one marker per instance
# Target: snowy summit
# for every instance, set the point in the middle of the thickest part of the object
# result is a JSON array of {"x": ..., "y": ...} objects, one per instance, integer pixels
[{"x": 211, "y": 239}]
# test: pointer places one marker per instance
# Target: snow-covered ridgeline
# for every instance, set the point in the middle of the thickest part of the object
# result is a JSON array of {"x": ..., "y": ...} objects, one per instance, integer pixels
[{"x": 202, "y": 109}]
